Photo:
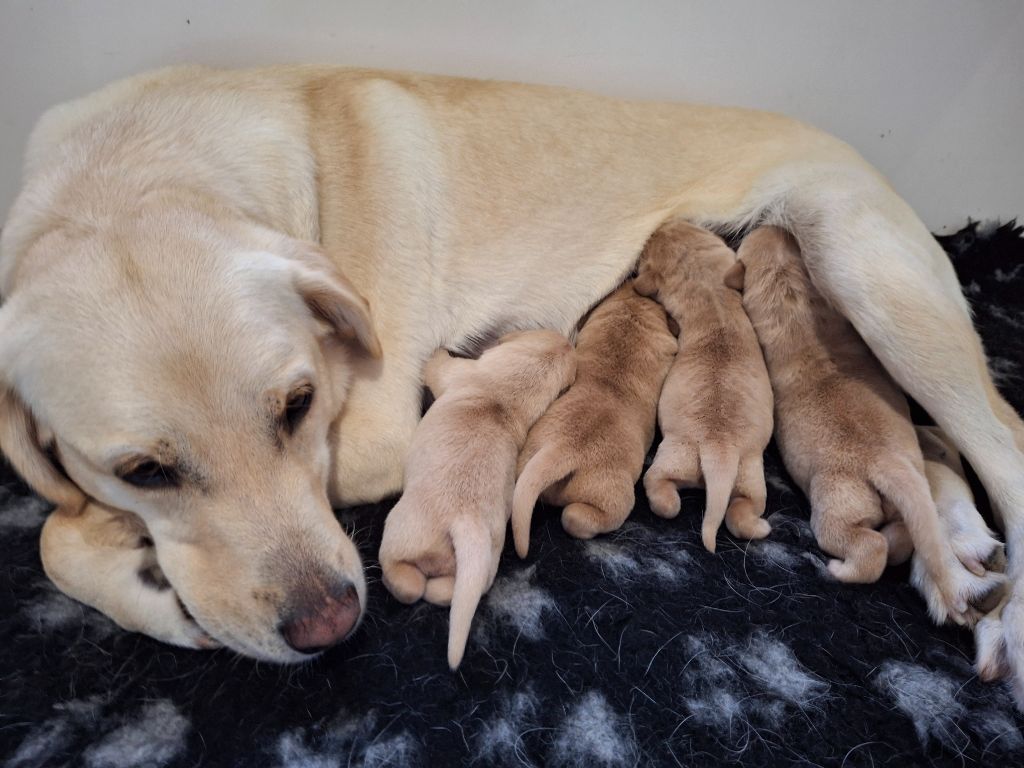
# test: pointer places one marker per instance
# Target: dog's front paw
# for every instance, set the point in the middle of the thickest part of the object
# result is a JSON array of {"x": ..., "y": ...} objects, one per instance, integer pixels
[
  {"x": 156, "y": 610},
  {"x": 170, "y": 622}
]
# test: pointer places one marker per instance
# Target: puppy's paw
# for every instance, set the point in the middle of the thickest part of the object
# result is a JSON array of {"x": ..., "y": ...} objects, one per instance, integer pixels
[
  {"x": 445, "y": 559},
  {"x": 663, "y": 497},
  {"x": 743, "y": 521},
  {"x": 583, "y": 521}
]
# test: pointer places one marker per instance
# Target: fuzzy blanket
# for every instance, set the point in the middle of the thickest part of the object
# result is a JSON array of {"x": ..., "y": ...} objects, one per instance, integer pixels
[{"x": 635, "y": 649}]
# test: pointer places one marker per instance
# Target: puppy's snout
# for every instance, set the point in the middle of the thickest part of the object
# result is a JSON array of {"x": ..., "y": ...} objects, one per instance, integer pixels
[{"x": 321, "y": 623}]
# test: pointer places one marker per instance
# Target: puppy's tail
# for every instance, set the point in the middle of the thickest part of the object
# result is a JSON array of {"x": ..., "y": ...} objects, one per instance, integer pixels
[
  {"x": 720, "y": 467},
  {"x": 545, "y": 468},
  {"x": 473, "y": 566}
]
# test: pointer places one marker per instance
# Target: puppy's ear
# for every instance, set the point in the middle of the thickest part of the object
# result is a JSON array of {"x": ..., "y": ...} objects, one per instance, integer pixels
[
  {"x": 32, "y": 456},
  {"x": 645, "y": 283},
  {"x": 734, "y": 276},
  {"x": 331, "y": 297},
  {"x": 442, "y": 369}
]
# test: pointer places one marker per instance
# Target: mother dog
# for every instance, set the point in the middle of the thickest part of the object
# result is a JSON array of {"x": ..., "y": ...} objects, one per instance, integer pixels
[{"x": 220, "y": 288}]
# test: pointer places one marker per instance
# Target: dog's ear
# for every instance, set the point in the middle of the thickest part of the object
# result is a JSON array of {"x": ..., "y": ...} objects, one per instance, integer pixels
[
  {"x": 331, "y": 297},
  {"x": 27, "y": 446},
  {"x": 31, "y": 454},
  {"x": 735, "y": 275}
]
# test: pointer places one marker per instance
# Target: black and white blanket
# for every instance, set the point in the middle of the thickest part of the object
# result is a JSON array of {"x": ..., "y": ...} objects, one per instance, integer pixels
[{"x": 639, "y": 648}]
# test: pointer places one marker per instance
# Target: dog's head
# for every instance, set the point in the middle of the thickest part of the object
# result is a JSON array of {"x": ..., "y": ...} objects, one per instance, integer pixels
[
  {"x": 679, "y": 253},
  {"x": 187, "y": 368}
]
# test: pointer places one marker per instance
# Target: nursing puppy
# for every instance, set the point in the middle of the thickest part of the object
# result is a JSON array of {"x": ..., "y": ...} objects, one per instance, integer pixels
[
  {"x": 973, "y": 542},
  {"x": 716, "y": 407},
  {"x": 443, "y": 539},
  {"x": 587, "y": 452},
  {"x": 843, "y": 428}
]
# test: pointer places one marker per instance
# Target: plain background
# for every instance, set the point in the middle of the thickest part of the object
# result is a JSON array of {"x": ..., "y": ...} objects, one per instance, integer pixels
[{"x": 930, "y": 91}]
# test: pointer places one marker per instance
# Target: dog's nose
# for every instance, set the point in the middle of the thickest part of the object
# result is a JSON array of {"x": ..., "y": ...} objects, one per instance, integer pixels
[{"x": 321, "y": 625}]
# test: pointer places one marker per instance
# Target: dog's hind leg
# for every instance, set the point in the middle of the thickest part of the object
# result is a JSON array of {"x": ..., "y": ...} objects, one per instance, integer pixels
[
  {"x": 861, "y": 552},
  {"x": 606, "y": 507},
  {"x": 676, "y": 465},
  {"x": 105, "y": 559},
  {"x": 873, "y": 259},
  {"x": 745, "y": 516}
]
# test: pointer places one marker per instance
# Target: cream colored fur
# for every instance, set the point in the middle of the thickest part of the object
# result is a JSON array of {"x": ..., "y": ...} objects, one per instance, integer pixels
[
  {"x": 443, "y": 539},
  {"x": 454, "y": 208}
]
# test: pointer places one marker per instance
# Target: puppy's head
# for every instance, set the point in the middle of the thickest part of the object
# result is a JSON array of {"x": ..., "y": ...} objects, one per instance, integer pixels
[
  {"x": 679, "y": 253},
  {"x": 775, "y": 281},
  {"x": 187, "y": 369}
]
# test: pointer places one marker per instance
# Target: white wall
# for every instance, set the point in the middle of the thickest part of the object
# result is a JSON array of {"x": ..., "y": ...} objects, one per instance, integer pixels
[{"x": 930, "y": 91}]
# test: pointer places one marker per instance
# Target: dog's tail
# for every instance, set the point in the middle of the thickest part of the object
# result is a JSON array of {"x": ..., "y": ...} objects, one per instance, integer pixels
[
  {"x": 473, "y": 567},
  {"x": 720, "y": 467},
  {"x": 545, "y": 468}
]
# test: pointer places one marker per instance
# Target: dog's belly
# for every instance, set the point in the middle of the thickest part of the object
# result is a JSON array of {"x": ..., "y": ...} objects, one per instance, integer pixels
[{"x": 463, "y": 210}]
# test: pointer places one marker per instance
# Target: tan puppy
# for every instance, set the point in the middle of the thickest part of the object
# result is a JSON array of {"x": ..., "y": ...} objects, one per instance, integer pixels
[
  {"x": 844, "y": 429},
  {"x": 716, "y": 407},
  {"x": 587, "y": 452},
  {"x": 443, "y": 539}
]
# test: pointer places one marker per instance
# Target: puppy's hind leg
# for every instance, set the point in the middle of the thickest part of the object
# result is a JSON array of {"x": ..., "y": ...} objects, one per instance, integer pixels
[
  {"x": 611, "y": 499},
  {"x": 745, "y": 515},
  {"x": 676, "y": 465},
  {"x": 843, "y": 515},
  {"x": 105, "y": 559}
]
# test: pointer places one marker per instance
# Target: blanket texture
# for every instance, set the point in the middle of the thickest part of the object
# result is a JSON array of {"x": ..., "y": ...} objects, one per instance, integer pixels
[{"x": 638, "y": 648}]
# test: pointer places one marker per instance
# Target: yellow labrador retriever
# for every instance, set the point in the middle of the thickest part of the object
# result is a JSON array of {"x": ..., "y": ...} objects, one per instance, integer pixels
[{"x": 220, "y": 288}]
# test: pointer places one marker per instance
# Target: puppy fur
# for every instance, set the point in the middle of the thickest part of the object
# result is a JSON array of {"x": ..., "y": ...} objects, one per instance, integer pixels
[
  {"x": 843, "y": 428},
  {"x": 715, "y": 410},
  {"x": 587, "y": 452},
  {"x": 443, "y": 539}
]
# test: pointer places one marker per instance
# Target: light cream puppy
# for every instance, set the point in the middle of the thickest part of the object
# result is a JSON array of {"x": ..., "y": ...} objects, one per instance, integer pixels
[
  {"x": 443, "y": 538},
  {"x": 446, "y": 209},
  {"x": 587, "y": 451},
  {"x": 973, "y": 542},
  {"x": 715, "y": 411},
  {"x": 843, "y": 428}
]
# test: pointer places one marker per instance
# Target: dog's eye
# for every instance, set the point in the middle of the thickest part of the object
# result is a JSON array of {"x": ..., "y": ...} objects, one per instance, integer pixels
[
  {"x": 150, "y": 474},
  {"x": 296, "y": 407}
]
